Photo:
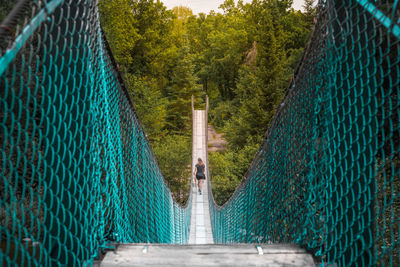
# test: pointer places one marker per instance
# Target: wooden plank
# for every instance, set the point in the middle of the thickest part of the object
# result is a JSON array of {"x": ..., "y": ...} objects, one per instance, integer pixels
[
  {"x": 200, "y": 227},
  {"x": 207, "y": 255}
]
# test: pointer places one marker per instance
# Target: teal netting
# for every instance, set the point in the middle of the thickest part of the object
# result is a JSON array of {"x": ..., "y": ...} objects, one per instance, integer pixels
[
  {"x": 327, "y": 175},
  {"x": 76, "y": 169}
]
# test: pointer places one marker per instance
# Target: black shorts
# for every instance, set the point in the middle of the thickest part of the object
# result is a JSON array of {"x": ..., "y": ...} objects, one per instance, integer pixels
[{"x": 198, "y": 177}]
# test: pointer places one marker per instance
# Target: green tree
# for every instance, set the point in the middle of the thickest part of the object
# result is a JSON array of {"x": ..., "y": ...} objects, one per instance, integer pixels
[
  {"x": 174, "y": 156},
  {"x": 182, "y": 14},
  {"x": 276, "y": 36},
  {"x": 227, "y": 170},
  {"x": 138, "y": 33},
  {"x": 5, "y": 8},
  {"x": 122, "y": 33},
  {"x": 243, "y": 59},
  {"x": 182, "y": 86},
  {"x": 150, "y": 106},
  {"x": 310, "y": 10}
]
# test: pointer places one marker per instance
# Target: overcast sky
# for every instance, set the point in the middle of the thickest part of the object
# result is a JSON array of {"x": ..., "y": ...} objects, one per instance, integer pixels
[{"x": 204, "y": 6}]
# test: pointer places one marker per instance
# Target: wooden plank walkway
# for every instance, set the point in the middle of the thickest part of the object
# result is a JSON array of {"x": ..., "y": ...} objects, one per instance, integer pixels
[
  {"x": 207, "y": 255},
  {"x": 201, "y": 251},
  {"x": 200, "y": 226}
]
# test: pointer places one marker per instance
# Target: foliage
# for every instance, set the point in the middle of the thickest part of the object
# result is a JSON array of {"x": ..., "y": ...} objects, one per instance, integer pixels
[
  {"x": 121, "y": 32},
  {"x": 227, "y": 169},
  {"x": 243, "y": 59},
  {"x": 151, "y": 106},
  {"x": 174, "y": 159},
  {"x": 5, "y": 8},
  {"x": 182, "y": 86},
  {"x": 258, "y": 72}
]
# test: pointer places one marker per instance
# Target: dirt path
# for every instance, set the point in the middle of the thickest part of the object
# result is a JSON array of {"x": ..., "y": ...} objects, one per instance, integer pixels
[{"x": 216, "y": 141}]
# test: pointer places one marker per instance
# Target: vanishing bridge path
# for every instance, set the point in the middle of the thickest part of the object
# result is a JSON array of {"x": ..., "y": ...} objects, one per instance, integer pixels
[
  {"x": 200, "y": 226},
  {"x": 78, "y": 177},
  {"x": 201, "y": 250}
]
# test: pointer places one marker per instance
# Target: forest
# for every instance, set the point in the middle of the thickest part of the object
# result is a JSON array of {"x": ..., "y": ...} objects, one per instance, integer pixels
[{"x": 243, "y": 58}]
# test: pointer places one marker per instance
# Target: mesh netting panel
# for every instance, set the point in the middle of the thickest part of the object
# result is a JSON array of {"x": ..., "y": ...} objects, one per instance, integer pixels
[
  {"x": 327, "y": 174},
  {"x": 76, "y": 168}
]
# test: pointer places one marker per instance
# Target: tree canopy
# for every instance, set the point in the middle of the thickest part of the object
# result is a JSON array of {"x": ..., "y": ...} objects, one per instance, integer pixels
[{"x": 243, "y": 58}]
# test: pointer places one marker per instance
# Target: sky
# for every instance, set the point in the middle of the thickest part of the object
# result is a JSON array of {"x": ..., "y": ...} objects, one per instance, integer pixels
[{"x": 204, "y": 6}]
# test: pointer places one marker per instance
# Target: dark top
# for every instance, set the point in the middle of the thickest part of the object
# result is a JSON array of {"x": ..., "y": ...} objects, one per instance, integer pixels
[{"x": 200, "y": 171}]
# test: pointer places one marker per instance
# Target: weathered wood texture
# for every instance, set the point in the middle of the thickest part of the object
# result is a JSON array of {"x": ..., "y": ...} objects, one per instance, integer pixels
[{"x": 207, "y": 255}]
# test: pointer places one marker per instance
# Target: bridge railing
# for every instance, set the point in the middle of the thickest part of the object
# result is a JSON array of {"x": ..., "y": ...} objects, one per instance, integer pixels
[
  {"x": 76, "y": 169},
  {"x": 327, "y": 175}
]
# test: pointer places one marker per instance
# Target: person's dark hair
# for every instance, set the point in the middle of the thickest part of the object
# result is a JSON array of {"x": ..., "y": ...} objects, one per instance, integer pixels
[{"x": 199, "y": 159}]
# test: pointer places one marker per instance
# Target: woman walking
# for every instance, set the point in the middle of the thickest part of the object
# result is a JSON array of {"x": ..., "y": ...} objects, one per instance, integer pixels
[{"x": 199, "y": 173}]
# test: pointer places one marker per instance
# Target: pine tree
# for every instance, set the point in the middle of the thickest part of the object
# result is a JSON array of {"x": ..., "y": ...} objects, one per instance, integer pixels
[
  {"x": 182, "y": 85},
  {"x": 310, "y": 10}
]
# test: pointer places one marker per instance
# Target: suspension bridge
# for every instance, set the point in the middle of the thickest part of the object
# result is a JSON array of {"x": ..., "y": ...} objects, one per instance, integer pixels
[
  {"x": 78, "y": 177},
  {"x": 201, "y": 250}
]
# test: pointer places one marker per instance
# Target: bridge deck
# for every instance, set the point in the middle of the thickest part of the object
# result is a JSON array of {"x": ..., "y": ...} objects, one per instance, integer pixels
[
  {"x": 201, "y": 251},
  {"x": 207, "y": 255},
  {"x": 200, "y": 227}
]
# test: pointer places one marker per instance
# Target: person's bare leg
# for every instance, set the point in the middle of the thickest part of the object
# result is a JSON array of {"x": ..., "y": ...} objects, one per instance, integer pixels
[{"x": 200, "y": 184}]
